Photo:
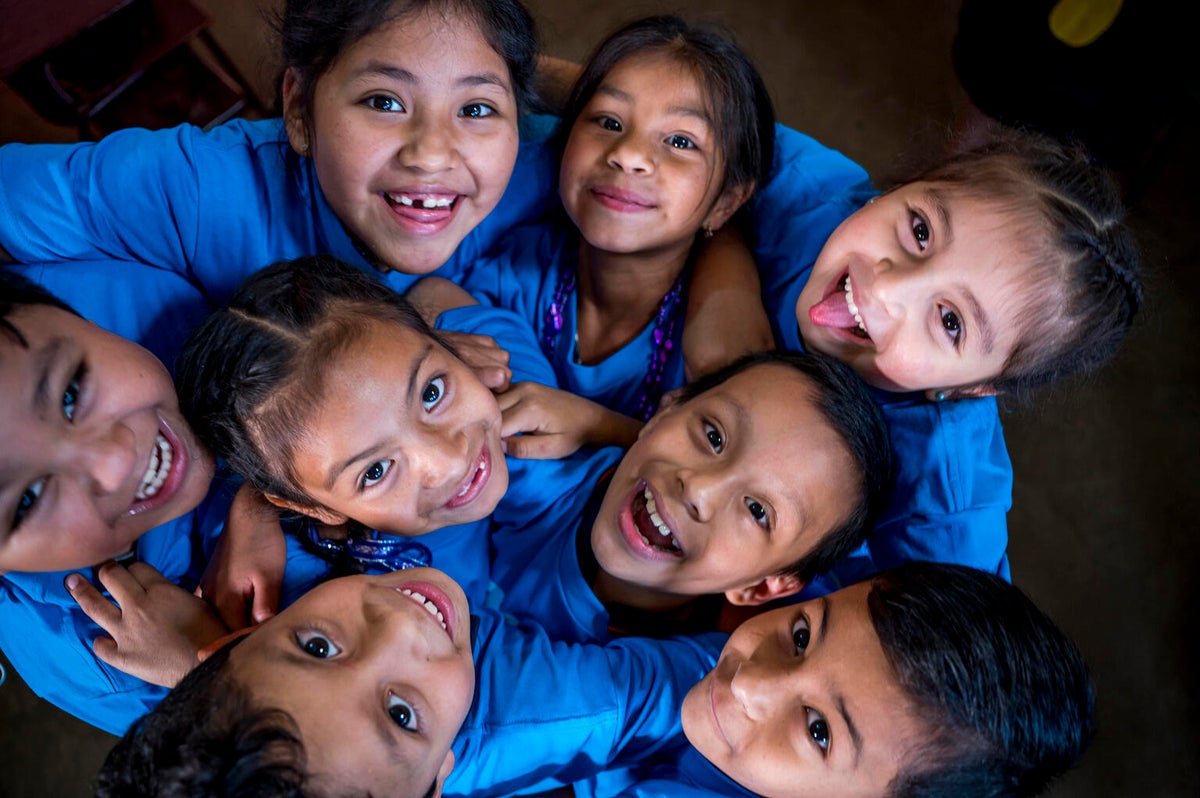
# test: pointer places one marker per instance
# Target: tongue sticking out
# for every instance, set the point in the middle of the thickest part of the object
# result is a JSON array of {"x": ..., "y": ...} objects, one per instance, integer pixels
[{"x": 832, "y": 311}]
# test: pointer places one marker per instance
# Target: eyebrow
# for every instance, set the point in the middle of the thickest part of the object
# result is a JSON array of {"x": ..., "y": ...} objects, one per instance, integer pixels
[
  {"x": 624, "y": 96},
  {"x": 839, "y": 702},
  {"x": 987, "y": 335},
  {"x": 338, "y": 468},
  {"x": 43, "y": 358},
  {"x": 393, "y": 72}
]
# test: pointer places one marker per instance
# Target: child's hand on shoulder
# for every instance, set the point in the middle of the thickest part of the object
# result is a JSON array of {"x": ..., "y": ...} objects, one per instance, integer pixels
[
  {"x": 543, "y": 423},
  {"x": 243, "y": 579},
  {"x": 156, "y": 628},
  {"x": 483, "y": 355}
]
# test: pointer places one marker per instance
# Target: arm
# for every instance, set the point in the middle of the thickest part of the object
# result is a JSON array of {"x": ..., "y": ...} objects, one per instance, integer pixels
[
  {"x": 541, "y": 423},
  {"x": 243, "y": 578},
  {"x": 725, "y": 314},
  {"x": 432, "y": 296}
]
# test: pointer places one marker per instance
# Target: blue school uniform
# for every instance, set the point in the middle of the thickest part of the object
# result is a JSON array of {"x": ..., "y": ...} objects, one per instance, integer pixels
[
  {"x": 692, "y": 776},
  {"x": 953, "y": 474},
  {"x": 554, "y": 711},
  {"x": 215, "y": 206},
  {"x": 526, "y": 276},
  {"x": 536, "y": 566}
]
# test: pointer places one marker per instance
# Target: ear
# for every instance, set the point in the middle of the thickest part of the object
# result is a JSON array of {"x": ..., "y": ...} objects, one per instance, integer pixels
[
  {"x": 293, "y": 113},
  {"x": 447, "y": 766},
  {"x": 977, "y": 392},
  {"x": 322, "y": 514},
  {"x": 726, "y": 205},
  {"x": 769, "y": 589}
]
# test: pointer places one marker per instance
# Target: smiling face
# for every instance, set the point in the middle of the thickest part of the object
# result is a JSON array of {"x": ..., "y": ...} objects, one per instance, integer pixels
[
  {"x": 725, "y": 490},
  {"x": 405, "y": 438},
  {"x": 642, "y": 170},
  {"x": 921, "y": 289},
  {"x": 95, "y": 449},
  {"x": 803, "y": 702},
  {"x": 413, "y": 133},
  {"x": 376, "y": 671}
]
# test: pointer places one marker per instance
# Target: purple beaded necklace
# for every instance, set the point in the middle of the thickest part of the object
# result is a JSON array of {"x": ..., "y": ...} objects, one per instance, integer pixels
[{"x": 664, "y": 334}]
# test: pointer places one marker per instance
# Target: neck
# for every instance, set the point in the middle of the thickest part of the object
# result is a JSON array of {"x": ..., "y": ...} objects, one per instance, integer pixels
[{"x": 619, "y": 294}]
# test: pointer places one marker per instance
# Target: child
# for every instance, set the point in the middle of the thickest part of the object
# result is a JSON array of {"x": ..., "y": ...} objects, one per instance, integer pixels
[
  {"x": 327, "y": 392},
  {"x": 410, "y": 666},
  {"x": 929, "y": 679},
  {"x": 398, "y": 138},
  {"x": 669, "y": 129},
  {"x": 1000, "y": 270},
  {"x": 751, "y": 482},
  {"x": 98, "y": 463}
]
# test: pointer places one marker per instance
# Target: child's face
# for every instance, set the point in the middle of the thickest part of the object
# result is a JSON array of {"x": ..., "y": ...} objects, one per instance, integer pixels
[
  {"x": 642, "y": 170},
  {"x": 95, "y": 449},
  {"x": 934, "y": 277},
  {"x": 405, "y": 438},
  {"x": 745, "y": 479},
  {"x": 804, "y": 702},
  {"x": 413, "y": 135},
  {"x": 376, "y": 683}
]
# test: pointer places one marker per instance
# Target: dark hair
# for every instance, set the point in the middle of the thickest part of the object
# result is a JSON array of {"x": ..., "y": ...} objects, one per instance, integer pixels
[
  {"x": 1086, "y": 256},
  {"x": 249, "y": 377},
  {"x": 315, "y": 33},
  {"x": 738, "y": 100},
  {"x": 1005, "y": 695},
  {"x": 17, "y": 290},
  {"x": 847, "y": 406},
  {"x": 208, "y": 739}
]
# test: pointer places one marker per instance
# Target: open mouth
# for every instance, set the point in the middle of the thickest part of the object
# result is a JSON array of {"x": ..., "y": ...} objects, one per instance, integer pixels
[
  {"x": 164, "y": 472},
  {"x": 423, "y": 206},
  {"x": 433, "y": 601},
  {"x": 650, "y": 526},
  {"x": 470, "y": 488},
  {"x": 838, "y": 310}
]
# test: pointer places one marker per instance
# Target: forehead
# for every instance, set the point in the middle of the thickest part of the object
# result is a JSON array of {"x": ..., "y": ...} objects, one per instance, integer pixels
[
  {"x": 452, "y": 37},
  {"x": 673, "y": 78}
]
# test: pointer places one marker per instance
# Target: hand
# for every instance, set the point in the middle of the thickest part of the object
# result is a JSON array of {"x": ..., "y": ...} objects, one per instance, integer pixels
[
  {"x": 553, "y": 423},
  {"x": 243, "y": 578},
  {"x": 155, "y": 628},
  {"x": 484, "y": 356}
]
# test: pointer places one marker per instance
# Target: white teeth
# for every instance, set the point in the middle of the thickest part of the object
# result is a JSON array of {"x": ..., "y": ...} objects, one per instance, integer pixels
[
  {"x": 853, "y": 307},
  {"x": 428, "y": 202},
  {"x": 429, "y": 606},
  {"x": 156, "y": 470},
  {"x": 656, "y": 519}
]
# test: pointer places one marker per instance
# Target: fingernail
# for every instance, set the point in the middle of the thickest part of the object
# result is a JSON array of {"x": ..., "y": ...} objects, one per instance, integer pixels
[{"x": 72, "y": 581}]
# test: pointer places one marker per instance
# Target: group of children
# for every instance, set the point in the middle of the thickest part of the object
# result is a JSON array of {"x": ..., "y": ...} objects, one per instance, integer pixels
[{"x": 667, "y": 556}]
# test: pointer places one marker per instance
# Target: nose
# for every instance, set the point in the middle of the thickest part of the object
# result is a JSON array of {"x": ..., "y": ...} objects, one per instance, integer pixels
[
  {"x": 759, "y": 688},
  {"x": 700, "y": 490},
  {"x": 629, "y": 153},
  {"x": 441, "y": 456},
  {"x": 428, "y": 144},
  {"x": 893, "y": 288},
  {"x": 107, "y": 457}
]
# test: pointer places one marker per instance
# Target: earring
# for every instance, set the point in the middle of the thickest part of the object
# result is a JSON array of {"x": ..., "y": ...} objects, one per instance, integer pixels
[
  {"x": 708, "y": 231},
  {"x": 871, "y": 201},
  {"x": 304, "y": 148},
  {"x": 940, "y": 396}
]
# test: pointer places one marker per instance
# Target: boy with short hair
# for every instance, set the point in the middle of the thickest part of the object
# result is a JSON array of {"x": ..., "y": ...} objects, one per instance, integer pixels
[{"x": 927, "y": 680}]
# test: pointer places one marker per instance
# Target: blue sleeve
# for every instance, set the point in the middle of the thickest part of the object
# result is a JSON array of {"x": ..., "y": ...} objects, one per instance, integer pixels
[
  {"x": 528, "y": 362},
  {"x": 544, "y": 709},
  {"x": 50, "y": 646}
]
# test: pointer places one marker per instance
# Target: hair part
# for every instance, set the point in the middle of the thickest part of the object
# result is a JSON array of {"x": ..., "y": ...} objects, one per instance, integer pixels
[
  {"x": 314, "y": 34},
  {"x": 1084, "y": 288},
  {"x": 1005, "y": 696},
  {"x": 846, "y": 404},
  {"x": 250, "y": 377},
  {"x": 738, "y": 102}
]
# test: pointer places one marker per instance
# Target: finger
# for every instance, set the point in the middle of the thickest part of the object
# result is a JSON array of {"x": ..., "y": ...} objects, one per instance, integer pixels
[
  {"x": 147, "y": 575},
  {"x": 533, "y": 447},
  {"x": 117, "y": 580},
  {"x": 106, "y": 614},
  {"x": 264, "y": 604},
  {"x": 496, "y": 377},
  {"x": 519, "y": 419},
  {"x": 232, "y": 607},
  {"x": 106, "y": 649}
]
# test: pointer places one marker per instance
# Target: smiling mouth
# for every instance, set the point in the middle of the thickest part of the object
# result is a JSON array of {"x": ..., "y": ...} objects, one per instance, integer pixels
[
  {"x": 429, "y": 606},
  {"x": 650, "y": 526},
  {"x": 838, "y": 310},
  {"x": 157, "y": 470},
  {"x": 434, "y": 601},
  {"x": 475, "y": 482},
  {"x": 861, "y": 329},
  {"x": 427, "y": 202}
]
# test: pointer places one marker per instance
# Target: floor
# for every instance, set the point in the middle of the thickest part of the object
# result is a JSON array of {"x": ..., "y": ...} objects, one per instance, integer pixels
[{"x": 1103, "y": 525}]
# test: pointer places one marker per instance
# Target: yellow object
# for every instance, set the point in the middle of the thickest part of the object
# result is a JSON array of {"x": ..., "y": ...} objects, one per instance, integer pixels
[{"x": 1078, "y": 23}]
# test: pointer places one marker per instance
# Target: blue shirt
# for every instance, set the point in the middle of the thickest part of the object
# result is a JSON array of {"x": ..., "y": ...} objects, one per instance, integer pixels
[
  {"x": 525, "y": 276},
  {"x": 215, "y": 206},
  {"x": 692, "y": 776},
  {"x": 953, "y": 474},
  {"x": 552, "y": 710}
]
